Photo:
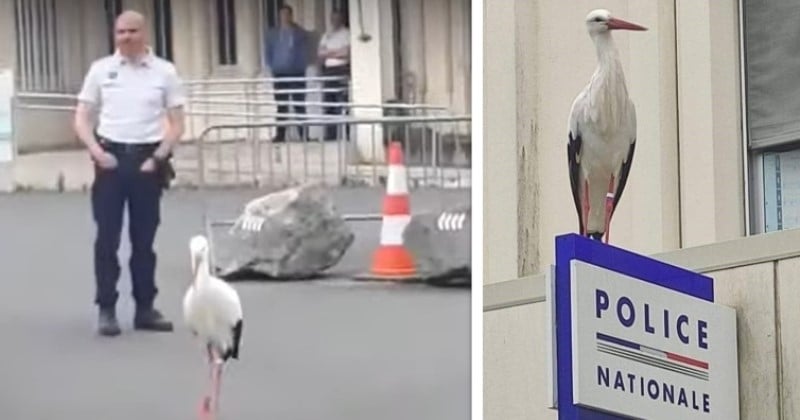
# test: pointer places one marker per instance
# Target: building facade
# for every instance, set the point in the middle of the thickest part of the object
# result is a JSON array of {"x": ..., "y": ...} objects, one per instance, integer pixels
[
  {"x": 712, "y": 186},
  {"x": 418, "y": 52}
]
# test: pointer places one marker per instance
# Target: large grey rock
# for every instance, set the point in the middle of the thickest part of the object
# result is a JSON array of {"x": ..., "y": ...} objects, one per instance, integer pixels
[
  {"x": 291, "y": 234},
  {"x": 441, "y": 245}
]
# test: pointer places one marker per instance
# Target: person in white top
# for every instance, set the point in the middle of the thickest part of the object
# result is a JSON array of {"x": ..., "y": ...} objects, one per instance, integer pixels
[
  {"x": 139, "y": 100},
  {"x": 334, "y": 58}
]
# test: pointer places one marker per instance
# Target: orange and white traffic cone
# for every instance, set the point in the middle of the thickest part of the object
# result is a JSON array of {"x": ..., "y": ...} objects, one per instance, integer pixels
[{"x": 392, "y": 260}]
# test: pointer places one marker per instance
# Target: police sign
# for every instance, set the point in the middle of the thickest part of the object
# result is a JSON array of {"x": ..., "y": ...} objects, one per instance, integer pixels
[{"x": 637, "y": 338}]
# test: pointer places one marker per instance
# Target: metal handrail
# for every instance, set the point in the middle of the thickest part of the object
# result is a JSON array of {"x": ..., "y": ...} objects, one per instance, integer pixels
[
  {"x": 316, "y": 103},
  {"x": 212, "y": 113},
  {"x": 72, "y": 96},
  {"x": 39, "y": 95},
  {"x": 332, "y": 117},
  {"x": 47, "y": 107},
  {"x": 234, "y": 102},
  {"x": 265, "y": 91},
  {"x": 196, "y": 82}
]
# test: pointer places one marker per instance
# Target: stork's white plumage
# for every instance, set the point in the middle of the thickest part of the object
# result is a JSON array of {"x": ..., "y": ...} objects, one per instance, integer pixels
[
  {"x": 602, "y": 132},
  {"x": 213, "y": 311}
]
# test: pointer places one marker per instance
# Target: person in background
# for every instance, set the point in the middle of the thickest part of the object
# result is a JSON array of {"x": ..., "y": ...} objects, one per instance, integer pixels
[
  {"x": 286, "y": 56},
  {"x": 334, "y": 56},
  {"x": 139, "y": 99}
]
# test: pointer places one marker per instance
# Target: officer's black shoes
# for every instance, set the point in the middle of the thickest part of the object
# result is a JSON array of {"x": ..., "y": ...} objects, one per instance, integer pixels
[
  {"x": 151, "y": 320},
  {"x": 145, "y": 319},
  {"x": 107, "y": 324}
]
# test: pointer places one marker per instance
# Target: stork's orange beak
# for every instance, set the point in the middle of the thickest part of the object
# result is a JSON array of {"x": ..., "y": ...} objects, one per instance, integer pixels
[{"x": 615, "y": 23}]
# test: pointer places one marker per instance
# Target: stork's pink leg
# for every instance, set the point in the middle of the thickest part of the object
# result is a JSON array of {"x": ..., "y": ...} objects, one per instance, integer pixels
[
  {"x": 585, "y": 215},
  {"x": 207, "y": 404},
  {"x": 609, "y": 206},
  {"x": 217, "y": 383},
  {"x": 205, "y": 409}
]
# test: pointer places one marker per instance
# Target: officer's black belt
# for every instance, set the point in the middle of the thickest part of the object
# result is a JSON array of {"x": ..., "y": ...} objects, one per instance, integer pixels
[{"x": 134, "y": 148}]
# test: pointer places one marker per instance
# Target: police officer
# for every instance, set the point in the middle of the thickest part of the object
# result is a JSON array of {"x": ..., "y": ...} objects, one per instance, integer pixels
[{"x": 140, "y": 103}]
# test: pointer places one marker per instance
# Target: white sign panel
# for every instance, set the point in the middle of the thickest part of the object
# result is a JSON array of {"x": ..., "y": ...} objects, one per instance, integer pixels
[
  {"x": 645, "y": 351},
  {"x": 550, "y": 331}
]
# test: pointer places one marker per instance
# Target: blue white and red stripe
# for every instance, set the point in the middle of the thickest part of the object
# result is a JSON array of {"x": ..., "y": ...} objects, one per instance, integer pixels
[{"x": 652, "y": 356}]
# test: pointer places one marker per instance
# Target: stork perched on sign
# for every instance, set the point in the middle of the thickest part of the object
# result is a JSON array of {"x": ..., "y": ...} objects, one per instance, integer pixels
[
  {"x": 213, "y": 312},
  {"x": 602, "y": 132}
]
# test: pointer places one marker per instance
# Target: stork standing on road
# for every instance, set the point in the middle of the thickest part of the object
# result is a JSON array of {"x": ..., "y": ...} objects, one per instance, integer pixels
[
  {"x": 213, "y": 311},
  {"x": 602, "y": 132}
]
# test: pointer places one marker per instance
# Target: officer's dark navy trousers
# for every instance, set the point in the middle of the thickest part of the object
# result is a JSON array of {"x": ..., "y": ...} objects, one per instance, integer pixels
[{"x": 114, "y": 190}]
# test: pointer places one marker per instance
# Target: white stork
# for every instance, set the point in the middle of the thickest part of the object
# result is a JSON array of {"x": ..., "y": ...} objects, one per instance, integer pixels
[
  {"x": 213, "y": 312},
  {"x": 602, "y": 132}
]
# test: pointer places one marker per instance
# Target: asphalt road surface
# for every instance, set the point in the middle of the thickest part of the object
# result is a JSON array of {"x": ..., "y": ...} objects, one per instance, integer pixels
[{"x": 322, "y": 349}]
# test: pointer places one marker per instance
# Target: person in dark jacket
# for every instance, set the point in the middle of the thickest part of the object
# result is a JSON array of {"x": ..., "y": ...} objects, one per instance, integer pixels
[{"x": 286, "y": 56}]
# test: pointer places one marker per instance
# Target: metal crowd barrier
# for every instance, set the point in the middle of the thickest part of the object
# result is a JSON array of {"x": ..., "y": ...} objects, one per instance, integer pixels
[
  {"x": 230, "y": 139},
  {"x": 437, "y": 152}
]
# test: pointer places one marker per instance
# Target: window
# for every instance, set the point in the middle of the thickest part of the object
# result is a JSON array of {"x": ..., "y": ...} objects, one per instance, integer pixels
[
  {"x": 162, "y": 20},
  {"x": 38, "y": 61},
  {"x": 113, "y": 9},
  {"x": 271, "y": 9},
  {"x": 226, "y": 32},
  {"x": 342, "y": 6},
  {"x": 772, "y": 112},
  {"x": 400, "y": 87}
]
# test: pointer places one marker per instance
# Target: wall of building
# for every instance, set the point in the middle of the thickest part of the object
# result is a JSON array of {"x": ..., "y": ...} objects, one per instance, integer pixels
[
  {"x": 8, "y": 48},
  {"x": 757, "y": 276},
  {"x": 686, "y": 185},
  {"x": 500, "y": 104},
  {"x": 440, "y": 64},
  {"x": 7, "y": 64},
  {"x": 81, "y": 39},
  {"x": 434, "y": 60}
]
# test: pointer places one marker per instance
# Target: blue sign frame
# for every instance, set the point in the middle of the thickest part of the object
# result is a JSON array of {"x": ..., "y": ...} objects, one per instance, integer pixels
[{"x": 575, "y": 247}]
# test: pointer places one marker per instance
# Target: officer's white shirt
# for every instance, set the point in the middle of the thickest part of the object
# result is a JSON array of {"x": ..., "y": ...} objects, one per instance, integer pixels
[
  {"x": 132, "y": 97},
  {"x": 333, "y": 40}
]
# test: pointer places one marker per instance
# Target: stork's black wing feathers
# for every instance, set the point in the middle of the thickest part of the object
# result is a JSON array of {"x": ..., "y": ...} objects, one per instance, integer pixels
[
  {"x": 236, "y": 333},
  {"x": 623, "y": 175},
  {"x": 573, "y": 156}
]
